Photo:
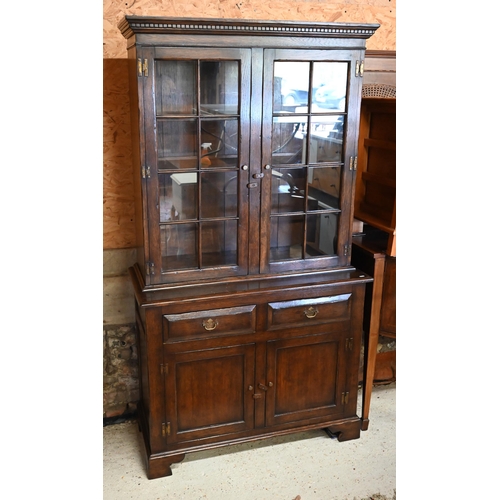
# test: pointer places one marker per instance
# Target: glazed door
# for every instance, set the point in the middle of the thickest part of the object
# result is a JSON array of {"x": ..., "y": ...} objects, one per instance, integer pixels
[
  {"x": 309, "y": 140},
  {"x": 196, "y": 108}
]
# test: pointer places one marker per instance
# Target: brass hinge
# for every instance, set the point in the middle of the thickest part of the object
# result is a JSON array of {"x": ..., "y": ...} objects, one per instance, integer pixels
[
  {"x": 345, "y": 398},
  {"x": 353, "y": 163},
  {"x": 349, "y": 344},
  {"x": 360, "y": 68},
  {"x": 164, "y": 369},
  {"x": 146, "y": 172},
  {"x": 347, "y": 250},
  {"x": 165, "y": 429},
  {"x": 142, "y": 67},
  {"x": 150, "y": 268}
]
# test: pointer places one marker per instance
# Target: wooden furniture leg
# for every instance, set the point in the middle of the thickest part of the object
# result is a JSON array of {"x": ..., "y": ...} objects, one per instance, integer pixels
[{"x": 374, "y": 300}]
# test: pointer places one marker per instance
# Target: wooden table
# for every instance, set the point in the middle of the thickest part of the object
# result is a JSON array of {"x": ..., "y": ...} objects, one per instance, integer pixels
[{"x": 368, "y": 255}]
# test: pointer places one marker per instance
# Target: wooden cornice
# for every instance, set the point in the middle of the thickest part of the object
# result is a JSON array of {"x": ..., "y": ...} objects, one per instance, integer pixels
[{"x": 131, "y": 25}]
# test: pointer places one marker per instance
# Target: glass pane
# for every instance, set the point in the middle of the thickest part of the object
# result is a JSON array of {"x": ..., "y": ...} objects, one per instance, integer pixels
[
  {"x": 219, "y": 140},
  {"x": 219, "y": 84},
  {"x": 287, "y": 235},
  {"x": 219, "y": 194},
  {"x": 177, "y": 144},
  {"x": 167, "y": 212},
  {"x": 321, "y": 234},
  {"x": 288, "y": 190},
  {"x": 219, "y": 243},
  {"x": 288, "y": 139},
  {"x": 183, "y": 203},
  {"x": 324, "y": 188},
  {"x": 291, "y": 86},
  {"x": 179, "y": 243},
  {"x": 329, "y": 86},
  {"x": 326, "y": 139},
  {"x": 175, "y": 87}
]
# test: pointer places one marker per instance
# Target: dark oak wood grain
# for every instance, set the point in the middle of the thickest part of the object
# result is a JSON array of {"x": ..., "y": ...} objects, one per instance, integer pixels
[{"x": 249, "y": 312}]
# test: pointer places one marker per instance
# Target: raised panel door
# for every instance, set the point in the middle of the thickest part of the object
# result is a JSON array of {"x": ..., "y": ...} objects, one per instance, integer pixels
[
  {"x": 305, "y": 378},
  {"x": 206, "y": 392}
]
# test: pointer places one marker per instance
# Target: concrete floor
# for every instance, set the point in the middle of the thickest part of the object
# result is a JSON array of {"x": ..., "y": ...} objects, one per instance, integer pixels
[{"x": 309, "y": 465}]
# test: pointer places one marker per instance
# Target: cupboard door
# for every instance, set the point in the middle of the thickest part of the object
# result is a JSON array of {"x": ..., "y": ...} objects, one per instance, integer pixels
[
  {"x": 207, "y": 392},
  {"x": 197, "y": 151},
  {"x": 311, "y": 101},
  {"x": 305, "y": 378}
]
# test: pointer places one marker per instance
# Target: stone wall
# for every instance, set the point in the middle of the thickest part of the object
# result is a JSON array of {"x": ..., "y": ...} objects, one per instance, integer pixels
[
  {"x": 120, "y": 363},
  {"x": 120, "y": 370}
]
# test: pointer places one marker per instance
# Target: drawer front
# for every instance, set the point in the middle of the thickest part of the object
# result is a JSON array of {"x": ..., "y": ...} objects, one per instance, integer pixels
[
  {"x": 204, "y": 324},
  {"x": 309, "y": 311}
]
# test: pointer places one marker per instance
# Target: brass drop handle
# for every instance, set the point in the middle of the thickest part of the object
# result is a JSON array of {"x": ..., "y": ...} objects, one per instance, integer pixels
[
  {"x": 209, "y": 324},
  {"x": 311, "y": 312}
]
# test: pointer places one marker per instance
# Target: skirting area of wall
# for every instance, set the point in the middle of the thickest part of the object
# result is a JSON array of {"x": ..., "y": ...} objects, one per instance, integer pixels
[
  {"x": 120, "y": 371},
  {"x": 120, "y": 363}
]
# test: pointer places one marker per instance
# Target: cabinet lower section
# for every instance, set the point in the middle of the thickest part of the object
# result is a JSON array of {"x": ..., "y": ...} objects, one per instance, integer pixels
[
  {"x": 159, "y": 464},
  {"x": 226, "y": 364}
]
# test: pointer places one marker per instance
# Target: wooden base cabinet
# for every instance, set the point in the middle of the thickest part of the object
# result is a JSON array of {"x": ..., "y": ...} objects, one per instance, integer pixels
[
  {"x": 224, "y": 366},
  {"x": 249, "y": 311}
]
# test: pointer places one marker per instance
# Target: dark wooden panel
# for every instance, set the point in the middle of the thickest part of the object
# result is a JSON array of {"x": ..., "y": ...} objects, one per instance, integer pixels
[
  {"x": 388, "y": 309},
  {"x": 208, "y": 392},
  {"x": 306, "y": 378},
  {"x": 201, "y": 324},
  {"x": 309, "y": 311}
]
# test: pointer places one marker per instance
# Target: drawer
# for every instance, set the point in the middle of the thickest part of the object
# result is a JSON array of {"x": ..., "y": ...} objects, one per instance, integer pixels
[
  {"x": 309, "y": 311},
  {"x": 214, "y": 322}
]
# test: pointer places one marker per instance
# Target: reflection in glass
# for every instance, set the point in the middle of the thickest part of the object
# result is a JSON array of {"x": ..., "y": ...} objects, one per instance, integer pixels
[
  {"x": 221, "y": 136},
  {"x": 291, "y": 85},
  {"x": 326, "y": 139},
  {"x": 329, "y": 85},
  {"x": 218, "y": 243},
  {"x": 288, "y": 139},
  {"x": 288, "y": 185},
  {"x": 287, "y": 233},
  {"x": 179, "y": 245},
  {"x": 178, "y": 196},
  {"x": 321, "y": 234},
  {"x": 177, "y": 145},
  {"x": 175, "y": 87},
  {"x": 324, "y": 187},
  {"x": 219, "y": 86},
  {"x": 219, "y": 191}
]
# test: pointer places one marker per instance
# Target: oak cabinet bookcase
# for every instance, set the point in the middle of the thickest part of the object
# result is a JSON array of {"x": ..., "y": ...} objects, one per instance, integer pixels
[{"x": 249, "y": 313}]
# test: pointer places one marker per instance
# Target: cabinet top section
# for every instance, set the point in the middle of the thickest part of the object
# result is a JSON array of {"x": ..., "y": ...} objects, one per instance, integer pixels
[{"x": 132, "y": 25}]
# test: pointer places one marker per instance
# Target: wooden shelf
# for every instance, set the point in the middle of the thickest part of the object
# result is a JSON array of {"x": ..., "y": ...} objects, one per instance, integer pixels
[{"x": 375, "y": 196}]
